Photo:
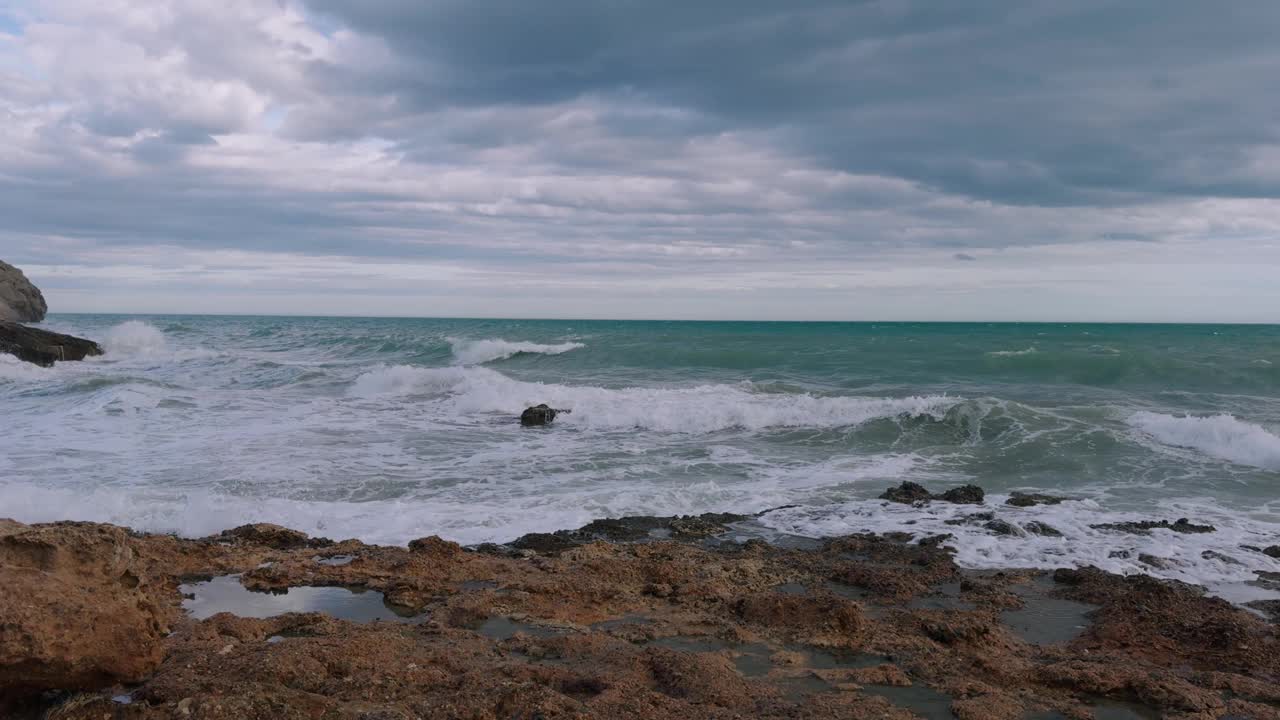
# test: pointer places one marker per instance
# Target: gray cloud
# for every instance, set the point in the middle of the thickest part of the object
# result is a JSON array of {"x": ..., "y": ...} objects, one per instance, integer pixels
[
  {"x": 1040, "y": 103},
  {"x": 798, "y": 152}
]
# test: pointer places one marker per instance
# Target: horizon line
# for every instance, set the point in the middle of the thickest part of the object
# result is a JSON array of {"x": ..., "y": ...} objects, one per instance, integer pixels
[{"x": 323, "y": 316}]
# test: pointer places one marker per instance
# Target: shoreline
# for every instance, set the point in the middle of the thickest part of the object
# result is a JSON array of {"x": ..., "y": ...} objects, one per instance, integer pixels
[{"x": 106, "y": 622}]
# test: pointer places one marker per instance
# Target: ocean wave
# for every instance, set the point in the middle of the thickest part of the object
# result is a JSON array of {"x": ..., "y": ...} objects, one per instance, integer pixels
[
  {"x": 1221, "y": 436},
  {"x": 1013, "y": 353},
  {"x": 478, "y": 352},
  {"x": 135, "y": 338},
  {"x": 705, "y": 408}
]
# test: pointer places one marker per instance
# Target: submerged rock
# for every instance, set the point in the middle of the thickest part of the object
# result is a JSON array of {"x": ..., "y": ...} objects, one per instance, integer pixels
[
  {"x": 1272, "y": 551},
  {"x": 20, "y": 301},
  {"x": 1039, "y": 528},
  {"x": 78, "y": 609},
  {"x": 43, "y": 347},
  {"x": 537, "y": 415},
  {"x": 1021, "y": 499},
  {"x": 1144, "y": 527}
]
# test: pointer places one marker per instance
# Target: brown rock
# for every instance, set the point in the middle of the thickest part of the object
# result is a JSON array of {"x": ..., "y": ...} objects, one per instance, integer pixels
[
  {"x": 78, "y": 609},
  {"x": 272, "y": 536}
]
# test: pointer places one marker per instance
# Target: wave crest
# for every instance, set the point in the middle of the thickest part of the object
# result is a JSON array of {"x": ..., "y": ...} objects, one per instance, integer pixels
[
  {"x": 1221, "y": 436},
  {"x": 135, "y": 337},
  {"x": 478, "y": 352},
  {"x": 706, "y": 408}
]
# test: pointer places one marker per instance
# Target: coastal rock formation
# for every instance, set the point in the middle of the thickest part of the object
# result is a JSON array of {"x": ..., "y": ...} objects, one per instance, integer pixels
[
  {"x": 20, "y": 301},
  {"x": 909, "y": 493},
  {"x": 43, "y": 347},
  {"x": 537, "y": 415},
  {"x": 78, "y": 609},
  {"x": 856, "y": 627}
]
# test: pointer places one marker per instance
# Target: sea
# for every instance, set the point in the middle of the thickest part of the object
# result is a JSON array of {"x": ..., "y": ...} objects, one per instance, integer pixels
[{"x": 388, "y": 430}]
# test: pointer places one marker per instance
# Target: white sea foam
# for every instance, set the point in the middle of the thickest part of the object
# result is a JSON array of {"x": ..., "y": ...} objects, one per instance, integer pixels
[
  {"x": 135, "y": 338},
  {"x": 1220, "y": 436},
  {"x": 1194, "y": 558},
  {"x": 478, "y": 352},
  {"x": 705, "y": 408},
  {"x": 1013, "y": 353}
]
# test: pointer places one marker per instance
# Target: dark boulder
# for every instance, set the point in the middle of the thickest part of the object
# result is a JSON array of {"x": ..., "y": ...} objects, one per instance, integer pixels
[
  {"x": 20, "y": 301},
  {"x": 1039, "y": 528},
  {"x": 1020, "y": 499},
  {"x": 963, "y": 495},
  {"x": 1272, "y": 551},
  {"x": 908, "y": 492},
  {"x": 42, "y": 347},
  {"x": 537, "y": 415},
  {"x": 1145, "y": 527}
]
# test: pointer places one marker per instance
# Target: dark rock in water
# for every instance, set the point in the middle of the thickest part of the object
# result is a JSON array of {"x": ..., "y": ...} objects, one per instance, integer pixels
[
  {"x": 1145, "y": 527},
  {"x": 1020, "y": 499},
  {"x": 907, "y": 493},
  {"x": 537, "y": 415},
  {"x": 1039, "y": 528},
  {"x": 20, "y": 301},
  {"x": 1158, "y": 563},
  {"x": 1273, "y": 551},
  {"x": 1000, "y": 527},
  {"x": 1214, "y": 555},
  {"x": 1266, "y": 579},
  {"x": 1270, "y": 608},
  {"x": 964, "y": 495},
  {"x": 630, "y": 529},
  {"x": 42, "y": 347}
]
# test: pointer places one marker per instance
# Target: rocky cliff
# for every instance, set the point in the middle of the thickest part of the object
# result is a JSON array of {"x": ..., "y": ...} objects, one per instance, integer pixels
[{"x": 20, "y": 301}]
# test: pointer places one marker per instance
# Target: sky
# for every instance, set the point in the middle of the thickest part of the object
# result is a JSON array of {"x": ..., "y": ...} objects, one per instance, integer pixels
[{"x": 720, "y": 159}]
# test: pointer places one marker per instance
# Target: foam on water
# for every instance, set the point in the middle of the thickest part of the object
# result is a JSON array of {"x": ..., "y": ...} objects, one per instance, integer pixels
[
  {"x": 478, "y": 352},
  {"x": 386, "y": 431},
  {"x": 1215, "y": 559},
  {"x": 704, "y": 408},
  {"x": 1220, "y": 436},
  {"x": 135, "y": 338}
]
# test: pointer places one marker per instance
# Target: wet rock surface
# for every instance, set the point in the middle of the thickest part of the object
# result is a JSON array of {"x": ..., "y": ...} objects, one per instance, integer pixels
[
  {"x": 909, "y": 492},
  {"x": 1144, "y": 527},
  {"x": 630, "y": 529},
  {"x": 43, "y": 347},
  {"x": 537, "y": 415},
  {"x": 861, "y": 626},
  {"x": 1021, "y": 499}
]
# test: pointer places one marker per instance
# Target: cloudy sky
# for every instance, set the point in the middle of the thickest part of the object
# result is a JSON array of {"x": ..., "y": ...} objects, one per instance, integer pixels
[{"x": 809, "y": 159}]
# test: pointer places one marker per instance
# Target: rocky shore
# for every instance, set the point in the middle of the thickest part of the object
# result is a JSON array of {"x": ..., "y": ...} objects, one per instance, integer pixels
[{"x": 100, "y": 622}]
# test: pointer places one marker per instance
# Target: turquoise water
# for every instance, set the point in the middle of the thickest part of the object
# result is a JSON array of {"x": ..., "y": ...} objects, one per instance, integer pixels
[{"x": 390, "y": 429}]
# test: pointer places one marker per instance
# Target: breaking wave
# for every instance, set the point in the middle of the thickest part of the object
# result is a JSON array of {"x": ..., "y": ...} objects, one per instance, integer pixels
[
  {"x": 1220, "y": 436},
  {"x": 478, "y": 352},
  {"x": 705, "y": 408}
]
